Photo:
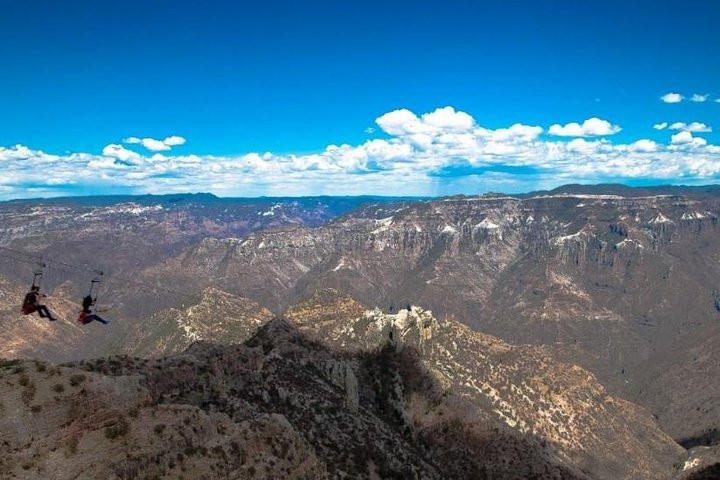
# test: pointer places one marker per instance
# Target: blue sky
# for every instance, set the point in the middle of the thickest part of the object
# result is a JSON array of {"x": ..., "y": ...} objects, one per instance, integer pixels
[{"x": 260, "y": 92}]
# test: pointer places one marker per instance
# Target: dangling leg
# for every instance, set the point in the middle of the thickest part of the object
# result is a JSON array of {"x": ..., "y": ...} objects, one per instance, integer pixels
[
  {"x": 97, "y": 319},
  {"x": 44, "y": 312}
]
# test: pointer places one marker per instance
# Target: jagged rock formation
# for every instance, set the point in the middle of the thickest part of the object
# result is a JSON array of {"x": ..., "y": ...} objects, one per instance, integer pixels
[
  {"x": 703, "y": 463},
  {"x": 217, "y": 317},
  {"x": 278, "y": 406},
  {"x": 523, "y": 388}
]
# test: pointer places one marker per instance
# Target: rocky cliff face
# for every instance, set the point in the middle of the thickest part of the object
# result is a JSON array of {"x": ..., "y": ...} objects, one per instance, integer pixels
[
  {"x": 332, "y": 391},
  {"x": 607, "y": 280},
  {"x": 621, "y": 285},
  {"x": 217, "y": 317},
  {"x": 277, "y": 407},
  {"x": 522, "y": 388}
]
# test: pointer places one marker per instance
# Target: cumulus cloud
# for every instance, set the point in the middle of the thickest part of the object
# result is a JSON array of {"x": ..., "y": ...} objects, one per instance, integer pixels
[
  {"x": 686, "y": 138},
  {"x": 121, "y": 153},
  {"x": 444, "y": 151},
  {"x": 403, "y": 122},
  {"x": 672, "y": 98},
  {"x": 156, "y": 145},
  {"x": 698, "y": 98},
  {"x": 690, "y": 127},
  {"x": 590, "y": 127},
  {"x": 660, "y": 126},
  {"x": 174, "y": 140},
  {"x": 644, "y": 145}
]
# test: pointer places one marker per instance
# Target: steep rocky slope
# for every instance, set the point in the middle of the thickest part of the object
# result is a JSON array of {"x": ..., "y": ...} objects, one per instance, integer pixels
[
  {"x": 280, "y": 406},
  {"x": 522, "y": 387},
  {"x": 66, "y": 422},
  {"x": 682, "y": 388},
  {"x": 332, "y": 391},
  {"x": 218, "y": 317},
  {"x": 607, "y": 280}
]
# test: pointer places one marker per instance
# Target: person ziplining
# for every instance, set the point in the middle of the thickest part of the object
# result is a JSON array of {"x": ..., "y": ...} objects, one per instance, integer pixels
[
  {"x": 31, "y": 302},
  {"x": 31, "y": 305},
  {"x": 87, "y": 314}
]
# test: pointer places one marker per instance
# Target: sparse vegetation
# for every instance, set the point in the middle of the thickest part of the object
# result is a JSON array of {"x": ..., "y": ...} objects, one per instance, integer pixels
[
  {"x": 76, "y": 379},
  {"x": 28, "y": 392},
  {"x": 8, "y": 363},
  {"x": 119, "y": 429},
  {"x": 58, "y": 387},
  {"x": 72, "y": 445}
]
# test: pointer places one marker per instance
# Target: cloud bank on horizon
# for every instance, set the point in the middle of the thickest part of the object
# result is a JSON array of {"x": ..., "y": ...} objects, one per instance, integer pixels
[{"x": 442, "y": 152}]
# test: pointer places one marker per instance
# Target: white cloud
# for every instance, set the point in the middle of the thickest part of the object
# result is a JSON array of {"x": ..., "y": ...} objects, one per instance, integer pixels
[
  {"x": 698, "y": 98},
  {"x": 644, "y": 145},
  {"x": 517, "y": 131},
  {"x": 174, "y": 140},
  {"x": 121, "y": 153},
  {"x": 691, "y": 127},
  {"x": 401, "y": 122},
  {"x": 590, "y": 127},
  {"x": 580, "y": 145},
  {"x": 427, "y": 154},
  {"x": 660, "y": 126},
  {"x": 156, "y": 145},
  {"x": 672, "y": 98},
  {"x": 682, "y": 137},
  {"x": 448, "y": 119},
  {"x": 686, "y": 138}
]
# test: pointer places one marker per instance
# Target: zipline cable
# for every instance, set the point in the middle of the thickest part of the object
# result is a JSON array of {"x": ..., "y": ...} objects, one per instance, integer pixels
[{"x": 56, "y": 264}]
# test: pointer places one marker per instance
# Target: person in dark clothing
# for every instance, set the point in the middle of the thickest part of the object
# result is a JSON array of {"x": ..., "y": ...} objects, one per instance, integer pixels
[
  {"x": 86, "y": 315},
  {"x": 31, "y": 304}
]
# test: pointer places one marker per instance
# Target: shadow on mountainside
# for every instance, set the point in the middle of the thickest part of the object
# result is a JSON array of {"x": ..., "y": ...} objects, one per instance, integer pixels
[{"x": 365, "y": 415}]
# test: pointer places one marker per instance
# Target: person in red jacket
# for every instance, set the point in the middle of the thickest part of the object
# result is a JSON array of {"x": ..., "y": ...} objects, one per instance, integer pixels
[
  {"x": 86, "y": 314},
  {"x": 31, "y": 304}
]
